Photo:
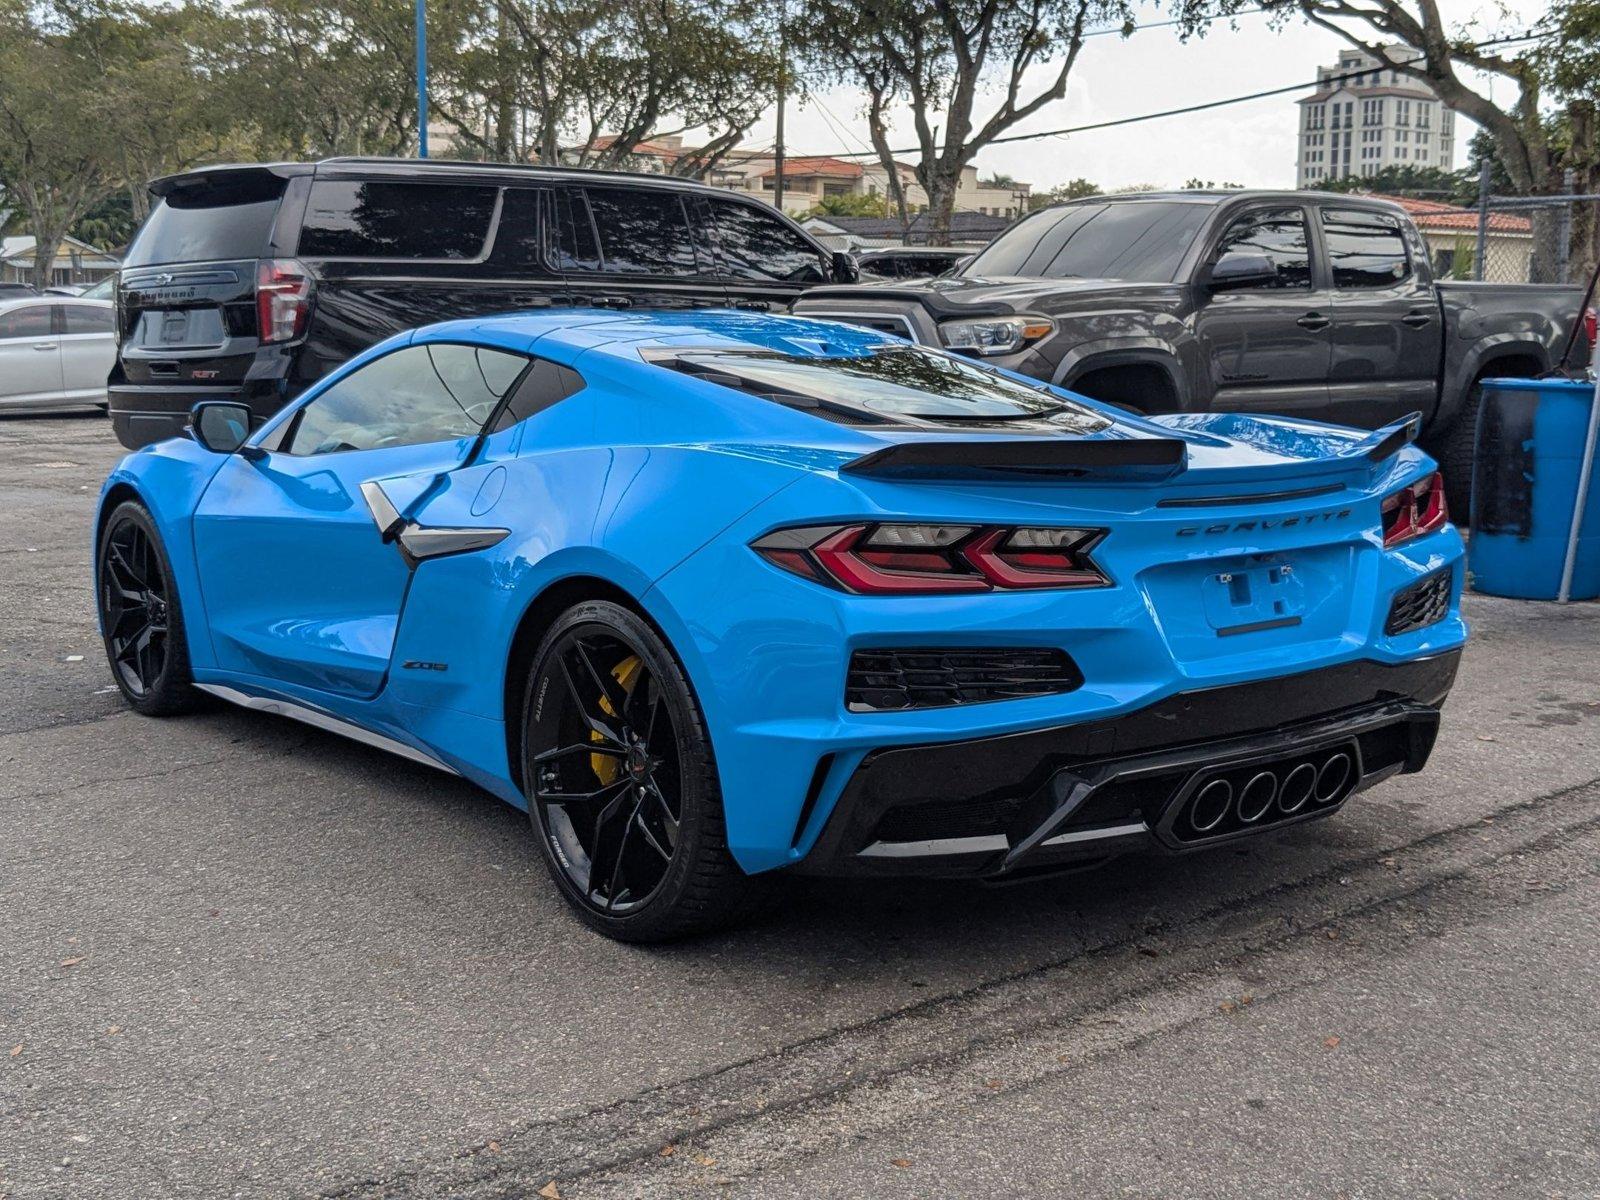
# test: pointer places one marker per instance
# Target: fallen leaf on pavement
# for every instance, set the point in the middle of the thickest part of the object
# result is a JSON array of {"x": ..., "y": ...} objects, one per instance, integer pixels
[
  {"x": 72, "y": 962},
  {"x": 550, "y": 1192},
  {"x": 494, "y": 1147},
  {"x": 1484, "y": 737},
  {"x": 1330, "y": 1042},
  {"x": 16, "y": 1050},
  {"x": 1247, "y": 999},
  {"x": 1227, "y": 1006},
  {"x": 668, "y": 1151},
  {"x": 991, "y": 1083},
  {"x": 705, "y": 1160},
  {"x": 899, "y": 1162},
  {"x": 115, "y": 1029}
]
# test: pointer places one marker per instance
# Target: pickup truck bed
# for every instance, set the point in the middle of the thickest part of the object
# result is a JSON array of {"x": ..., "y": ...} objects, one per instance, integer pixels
[{"x": 1308, "y": 304}]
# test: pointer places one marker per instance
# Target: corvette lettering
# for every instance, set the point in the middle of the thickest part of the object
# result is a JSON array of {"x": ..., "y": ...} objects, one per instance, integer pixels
[{"x": 1265, "y": 524}]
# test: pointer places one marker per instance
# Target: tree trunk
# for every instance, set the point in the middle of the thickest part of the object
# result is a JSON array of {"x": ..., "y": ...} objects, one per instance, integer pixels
[
  {"x": 44, "y": 257},
  {"x": 941, "y": 191}
]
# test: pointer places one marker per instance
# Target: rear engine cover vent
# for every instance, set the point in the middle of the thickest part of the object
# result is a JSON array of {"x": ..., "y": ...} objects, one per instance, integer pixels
[
  {"x": 1420, "y": 605},
  {"x": 915, "y": 677}
]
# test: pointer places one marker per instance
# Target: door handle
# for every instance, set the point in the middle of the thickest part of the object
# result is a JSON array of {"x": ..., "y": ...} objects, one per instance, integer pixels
[
  {"x": 1417, "y": 318},
  {"x": 45, "y": 346},
  {"x": 1314, "y": 320}
]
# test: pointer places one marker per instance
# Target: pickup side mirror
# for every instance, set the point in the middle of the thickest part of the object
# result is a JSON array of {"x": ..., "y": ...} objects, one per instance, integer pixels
[
  {"x": 843, "y": 268},
  {"x": 1241, "y": 271},
  {"x": 221, "y": 426}
]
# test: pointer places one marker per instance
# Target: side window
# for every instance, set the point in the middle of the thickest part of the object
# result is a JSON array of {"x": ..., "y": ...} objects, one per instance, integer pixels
[
  {"x": 756, "y": 245},
  {"x": 642, "y": 231},
  {"x": 431, "y": 393},
  {"x": 89, "y": 318},
  {"x": 26, "y": 322},
  {"x": 1366, "y": 250},
  {"x": 520, "y": 240},
  {"x": 1280, "y": 235},
  {"x": 545, "y": 384},
  {"x": 575, "y": 245},
  {"x": 384, "y": 219}
]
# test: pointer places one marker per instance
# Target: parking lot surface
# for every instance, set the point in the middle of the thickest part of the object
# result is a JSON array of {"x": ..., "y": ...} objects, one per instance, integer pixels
[{"x": 242, "y": 957}]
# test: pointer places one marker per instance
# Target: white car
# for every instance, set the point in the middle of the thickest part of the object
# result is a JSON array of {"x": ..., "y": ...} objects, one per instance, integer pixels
[{"x": 55, "y": 352}]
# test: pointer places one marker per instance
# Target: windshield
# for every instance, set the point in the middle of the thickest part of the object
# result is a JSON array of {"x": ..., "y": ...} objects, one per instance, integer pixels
[
  {"x": 1138, "y": 241},
  {"x": 891, "y": 384}
]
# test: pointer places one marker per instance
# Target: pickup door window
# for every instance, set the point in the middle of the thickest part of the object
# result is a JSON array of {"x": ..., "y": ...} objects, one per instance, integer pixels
[
  {"x": 1267, "y": 343},
  {"x": 1386, "y": 332}
]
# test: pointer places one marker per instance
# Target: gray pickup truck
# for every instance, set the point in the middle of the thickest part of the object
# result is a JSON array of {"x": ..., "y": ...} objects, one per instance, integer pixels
[{"x": 1300, "y": 303}]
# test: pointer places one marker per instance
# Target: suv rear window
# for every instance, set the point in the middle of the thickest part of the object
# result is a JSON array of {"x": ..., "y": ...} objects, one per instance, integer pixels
[
  {"x": 891, "y": 384},
  {"x": 209, "y": 223},
  {"x": 381, "y": 219}
]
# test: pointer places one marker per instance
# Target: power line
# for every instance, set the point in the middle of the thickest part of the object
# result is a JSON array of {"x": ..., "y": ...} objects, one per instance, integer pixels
[{"x": 1191, "y": 108}]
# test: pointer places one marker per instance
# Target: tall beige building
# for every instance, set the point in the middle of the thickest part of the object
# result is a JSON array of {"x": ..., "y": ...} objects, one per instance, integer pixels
[{"x": 1367, "y": 116}]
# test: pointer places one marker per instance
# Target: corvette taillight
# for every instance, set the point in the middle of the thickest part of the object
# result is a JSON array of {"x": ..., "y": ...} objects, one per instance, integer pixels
[
  {"x": 899, "y": 559},
  {"x": 1414, "y": 511}
]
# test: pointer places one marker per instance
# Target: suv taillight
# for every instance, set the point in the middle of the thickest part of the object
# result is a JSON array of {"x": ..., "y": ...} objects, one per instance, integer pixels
[
  {"x": 1414, "y": 511},
  {"x": 898, "y": 559},
  {"x": 1591, "y": 323},
  {"x": 283, "y": 299}
]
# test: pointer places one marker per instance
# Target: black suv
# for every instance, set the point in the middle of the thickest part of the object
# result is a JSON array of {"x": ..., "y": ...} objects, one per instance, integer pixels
[{"x": 251, "y": 282}]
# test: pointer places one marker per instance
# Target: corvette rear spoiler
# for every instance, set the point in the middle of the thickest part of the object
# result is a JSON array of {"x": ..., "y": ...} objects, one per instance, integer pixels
[
  {"x": 1151, "y": 459},
  {"x": 1389, "y": 440}
]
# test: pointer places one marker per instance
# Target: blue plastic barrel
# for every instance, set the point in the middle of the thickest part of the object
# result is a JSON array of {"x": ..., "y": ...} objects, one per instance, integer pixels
[{"x": 1528, "y": 455}]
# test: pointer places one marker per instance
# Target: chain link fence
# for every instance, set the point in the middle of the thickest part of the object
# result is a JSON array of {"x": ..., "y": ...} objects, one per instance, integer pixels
[{"x": 1515, "y": 239}]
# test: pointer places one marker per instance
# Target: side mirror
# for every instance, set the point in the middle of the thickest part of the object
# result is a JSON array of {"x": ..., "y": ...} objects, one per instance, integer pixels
[
  {"x": 1242, "y": 271},
  {"x": 844, "y": 268},
  {"x": 221, "y": 426}
]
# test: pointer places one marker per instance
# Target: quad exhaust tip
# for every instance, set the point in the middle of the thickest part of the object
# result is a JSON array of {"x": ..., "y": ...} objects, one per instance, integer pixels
[
  {"x": 1297, "y": 788},
  {"x": 1210, "y": 806},
  {"x": 1255, "y": 800},
  {"x": 1332, "y": 776},
  {"x": 1248, "y": 797}
]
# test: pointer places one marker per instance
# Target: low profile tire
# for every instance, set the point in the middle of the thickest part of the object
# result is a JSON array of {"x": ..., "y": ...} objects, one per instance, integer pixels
[
  {"x": 621, "y": 783},
  {"x": 141, "y": 618}
]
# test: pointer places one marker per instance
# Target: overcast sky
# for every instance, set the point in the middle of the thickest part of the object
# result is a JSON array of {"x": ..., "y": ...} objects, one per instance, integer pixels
[{"x": 1250, "y": 143}]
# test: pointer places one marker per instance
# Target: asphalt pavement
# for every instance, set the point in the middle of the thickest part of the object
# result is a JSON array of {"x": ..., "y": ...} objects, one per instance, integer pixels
[{"x": 242, "y": 957}]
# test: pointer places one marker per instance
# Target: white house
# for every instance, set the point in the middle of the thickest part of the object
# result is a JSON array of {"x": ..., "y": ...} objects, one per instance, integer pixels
[{"x": 75, "y": 262}]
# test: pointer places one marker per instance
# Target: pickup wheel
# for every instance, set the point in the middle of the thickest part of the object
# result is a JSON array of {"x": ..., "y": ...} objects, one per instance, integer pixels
[{"x": 1455, "y": 450}]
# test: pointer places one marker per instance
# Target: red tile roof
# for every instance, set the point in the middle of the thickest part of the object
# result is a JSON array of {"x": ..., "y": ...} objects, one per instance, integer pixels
[
  {"x": 1435, "y": 214},
  {"x": 818, "y": 165}
]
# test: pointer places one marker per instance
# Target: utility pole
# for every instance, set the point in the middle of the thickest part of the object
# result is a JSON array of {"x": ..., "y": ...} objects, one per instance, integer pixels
[
  {"x": 783, "y": 86},
  {"x": 422, "y": 81}
]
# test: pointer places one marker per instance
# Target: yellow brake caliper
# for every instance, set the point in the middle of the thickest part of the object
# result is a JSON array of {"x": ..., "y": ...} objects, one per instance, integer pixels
[{"x": 607, "y": 767}]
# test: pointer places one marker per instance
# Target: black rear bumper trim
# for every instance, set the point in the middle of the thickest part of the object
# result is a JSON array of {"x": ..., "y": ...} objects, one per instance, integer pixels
[{"x": 1051, "y": 789}]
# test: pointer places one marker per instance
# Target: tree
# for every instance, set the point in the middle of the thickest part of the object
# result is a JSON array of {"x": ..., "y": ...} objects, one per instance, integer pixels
[
  {"x": 851, "y": 205},
  {"x": 1423, "y": 183},
  {"x": 935, "y": 57},
  {"x": 57, "y": 149},
  {"x": 589, "y": 82},
  {"x": 312, "y": 78},
  {"x": 1073, "y": 189},
  {"x": 1196, "y": 184},
  {"x": 1562, "y": 59}
]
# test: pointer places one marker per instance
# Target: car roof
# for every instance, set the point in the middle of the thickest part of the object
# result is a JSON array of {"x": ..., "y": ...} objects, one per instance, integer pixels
[
  {"x": 352, "y": 166},
  {"x": 574, "y": 330},
  {"x": 1215, "y": 197},
  {"x": 50, "y": 298}
]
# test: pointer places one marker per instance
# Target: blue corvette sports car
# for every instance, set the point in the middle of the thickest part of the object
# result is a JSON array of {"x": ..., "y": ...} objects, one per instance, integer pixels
[{"x": 715, "y": 595}]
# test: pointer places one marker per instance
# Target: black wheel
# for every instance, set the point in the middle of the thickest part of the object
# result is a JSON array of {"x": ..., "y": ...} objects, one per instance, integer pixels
[
  {"x": 140, "y": 617},
  {"x": 622, "y": 786},
  {"x": 1455, "y": 449}
]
